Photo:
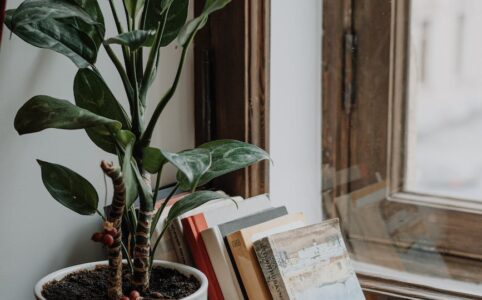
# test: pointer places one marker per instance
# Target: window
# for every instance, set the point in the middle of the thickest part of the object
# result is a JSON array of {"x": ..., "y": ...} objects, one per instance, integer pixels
[{"x": 401, "y": 183}]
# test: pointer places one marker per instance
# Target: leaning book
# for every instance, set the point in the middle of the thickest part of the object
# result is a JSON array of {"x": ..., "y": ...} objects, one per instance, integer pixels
[{"x": 308, "y": 263}]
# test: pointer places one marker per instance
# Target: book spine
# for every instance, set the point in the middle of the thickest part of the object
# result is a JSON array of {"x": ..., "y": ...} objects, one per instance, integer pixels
[
  {"x": 269, "y": 266},
  {"x": 222, "y": 266},
  {"x": 255, "y": 286},
  {"x": 192, "y": 227}
]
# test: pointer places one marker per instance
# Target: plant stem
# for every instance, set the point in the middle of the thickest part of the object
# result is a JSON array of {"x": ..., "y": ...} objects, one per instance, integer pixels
[
  {"x": 114, "y": 290},
  {"x": 137, "y": 125},
  {"x": 140, "y": 279},
  {"x": 116, "y": 17},
  {"x": 153, "y": 56},
  {"x": 146, "y": 137},
  {"x": 118, "y": 24},
  {"x": 122, "y": 72},
  {"x": 100, "y": 214},
  {"x": 161, "y": 209},
  {"x": 156, "y": 188},
  {"x": 157, "y": 242},
  {"x": 128, "y": 257}
]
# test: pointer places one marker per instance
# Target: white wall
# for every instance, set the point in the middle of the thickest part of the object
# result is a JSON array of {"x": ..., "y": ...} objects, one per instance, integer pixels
[
  {"x": 38, "y": 235},
  {"x": 295, "y": 137}
]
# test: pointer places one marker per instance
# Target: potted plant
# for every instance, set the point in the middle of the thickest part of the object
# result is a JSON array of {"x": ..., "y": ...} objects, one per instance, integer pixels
[{"x": 75, "y": 28}]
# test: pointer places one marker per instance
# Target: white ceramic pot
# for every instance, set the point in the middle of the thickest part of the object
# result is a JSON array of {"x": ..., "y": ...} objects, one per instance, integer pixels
[{"x": 200, "y": 294}]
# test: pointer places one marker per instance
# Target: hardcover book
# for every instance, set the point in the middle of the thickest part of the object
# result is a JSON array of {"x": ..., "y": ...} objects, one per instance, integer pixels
[
  {"x": 216, "y": 242},
  {"x": 194, "y": 225},
  {"x": 241, "y": 245},
  {"x": 308, "y": 263}
]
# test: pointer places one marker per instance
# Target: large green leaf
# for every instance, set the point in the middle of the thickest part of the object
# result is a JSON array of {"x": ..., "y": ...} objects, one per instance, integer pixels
[
  {"x": 133, "y": 39},
  {"x": 55, "y": 35},
  {"x": 192, "y": 164},
  {"x": 95, "y": 32},
  {"x": 176, "y": 13},
  {"x": 192, "y": 201},
  {"x": 93, "y": 94},
  {"x": 190, "y": 28},
  {"x": 127, "y": 139},
  {"x": 69, "y": 188},
  {"x": 42, "y": 112},
  {"x": 153, "y": 160},
  {"x": 35, "y": 11},
  {"x": 92, "y": 8},
  {"x": 227, "y": 156}
]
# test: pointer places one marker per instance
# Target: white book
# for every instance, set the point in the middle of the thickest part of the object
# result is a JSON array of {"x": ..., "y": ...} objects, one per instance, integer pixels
[
  {"x": 176, "y": 232},
  {"x": 214, "y": 243},
  {"x": 223, "y": 268}
]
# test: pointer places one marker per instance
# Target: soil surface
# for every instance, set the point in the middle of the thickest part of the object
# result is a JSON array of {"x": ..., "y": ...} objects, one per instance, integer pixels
[{"x": 164, "y": 284}]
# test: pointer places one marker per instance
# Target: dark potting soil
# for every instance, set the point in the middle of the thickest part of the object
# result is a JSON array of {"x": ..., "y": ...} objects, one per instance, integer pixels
[{"x": 164, "y": 284}]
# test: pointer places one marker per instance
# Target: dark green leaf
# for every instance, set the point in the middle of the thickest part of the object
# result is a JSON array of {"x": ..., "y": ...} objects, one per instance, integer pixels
[
  {"x": 127, "y": 138},
  {"x": 153, "y": 160},
  {"x": 192, "y": 201},
  {"x": 69, "y": 188},
  {"x": 192, "y": 164},
  {"x": 176, "y": 13},
  {"x": 133, "y": 6},
  {"x": 93, "y": 94},
  {"x": 133, "y": 39},
  {"x": 42, "y": 112},
  {"x": 190, "y": 28},
  {"x": 55, "y": 35},
  {"x": 227, "y": 156},
  {"x": 95, "y": 32},
  {"x": 35, "y": 11},
  {"x": 92, "y": 8}
]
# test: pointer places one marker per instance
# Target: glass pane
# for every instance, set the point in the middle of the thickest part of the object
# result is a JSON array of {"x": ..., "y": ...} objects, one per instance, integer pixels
[
  {"x": 389, "y": 235},
  {"x": 445, "y": 99}
]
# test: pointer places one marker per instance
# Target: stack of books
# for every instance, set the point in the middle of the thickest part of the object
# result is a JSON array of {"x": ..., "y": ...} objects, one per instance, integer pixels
[{"x": 251, "y": 250}]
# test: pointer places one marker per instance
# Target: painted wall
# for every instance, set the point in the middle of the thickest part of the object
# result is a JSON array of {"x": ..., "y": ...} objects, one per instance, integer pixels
[
  {"x": 295, "y": 137},
  {"x": 38, "y": 235}
]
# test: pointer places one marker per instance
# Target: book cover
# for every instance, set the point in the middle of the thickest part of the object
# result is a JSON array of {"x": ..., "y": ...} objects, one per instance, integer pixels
[
  {"x": 252, "y": 219},
  {"x": 228, "y": 227},
  {"x": 308, "y": 263},
  {"x": 241, "y": 245},
  {"x": 192, "y": 226},
  {"x": 221, "y": 263},
  {"x": 214, "y": 244}
]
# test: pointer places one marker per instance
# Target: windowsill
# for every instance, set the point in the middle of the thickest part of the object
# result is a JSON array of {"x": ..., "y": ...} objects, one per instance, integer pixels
[{"x": 388, "y": 281}]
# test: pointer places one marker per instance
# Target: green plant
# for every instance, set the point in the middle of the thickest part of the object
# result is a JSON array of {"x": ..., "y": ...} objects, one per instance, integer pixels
[{"x": 75, "y": 28}]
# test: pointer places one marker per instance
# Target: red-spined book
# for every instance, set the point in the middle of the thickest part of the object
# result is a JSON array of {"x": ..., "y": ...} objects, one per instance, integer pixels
[{"x": 192, "y": 227}]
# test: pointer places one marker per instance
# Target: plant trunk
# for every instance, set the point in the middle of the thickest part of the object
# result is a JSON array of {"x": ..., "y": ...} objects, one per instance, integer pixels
[
  {"x": 140, "y": 280},
  {"x": 114, "y": 291},
  {"x": 142, "y": 250}
]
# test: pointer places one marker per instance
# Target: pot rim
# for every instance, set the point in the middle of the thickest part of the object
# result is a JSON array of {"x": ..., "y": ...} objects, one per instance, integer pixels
[{"x": 184, "y": 269}]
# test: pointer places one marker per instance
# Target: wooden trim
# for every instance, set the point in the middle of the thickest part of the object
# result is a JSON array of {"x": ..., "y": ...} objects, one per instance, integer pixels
[
  {"x": 231, "y": 86},
  {"x": 402, "y": 290}
]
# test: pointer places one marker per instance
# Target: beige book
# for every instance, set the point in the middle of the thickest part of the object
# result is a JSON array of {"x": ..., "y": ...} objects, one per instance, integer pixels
[
  {"x": 308, "y": 263},
  {"x": 241, "y": 245}
]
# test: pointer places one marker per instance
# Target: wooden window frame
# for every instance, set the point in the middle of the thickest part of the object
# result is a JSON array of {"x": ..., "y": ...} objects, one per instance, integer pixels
[
  {"x": 231, "y": 68},
  {"x": 364, "y": 111}
]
